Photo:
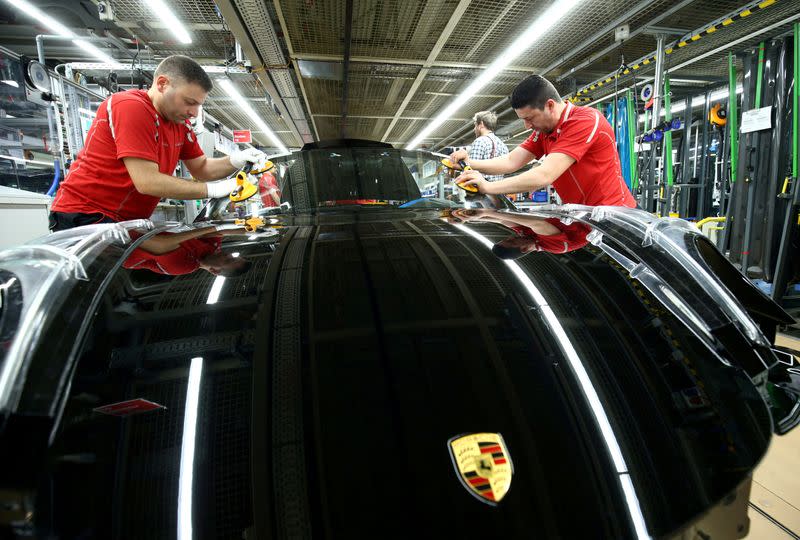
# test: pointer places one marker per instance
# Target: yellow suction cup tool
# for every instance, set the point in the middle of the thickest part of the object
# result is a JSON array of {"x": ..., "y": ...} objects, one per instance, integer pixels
[
  {"x": 471, "y": 189},
  {"x": 268, "y": 165},
  {"x": 244, "y": 189},
  {"x": 464, "y": 167},
  {"x": 251, "y": 224}
]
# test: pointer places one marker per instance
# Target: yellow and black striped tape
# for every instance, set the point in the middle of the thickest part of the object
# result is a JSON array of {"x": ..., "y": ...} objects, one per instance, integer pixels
[{"x": 682, "y": 43}]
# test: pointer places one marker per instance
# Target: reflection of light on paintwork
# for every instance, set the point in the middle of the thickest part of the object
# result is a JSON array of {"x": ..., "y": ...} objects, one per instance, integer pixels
[
  {"x": 187, "y": 450},
  {"x": 216, "y": 288},
  {"x": 586, "y": 385}
]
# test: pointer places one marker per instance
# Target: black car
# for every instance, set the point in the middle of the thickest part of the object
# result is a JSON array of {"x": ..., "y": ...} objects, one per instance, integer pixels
[{"x": 382, "y": 355}]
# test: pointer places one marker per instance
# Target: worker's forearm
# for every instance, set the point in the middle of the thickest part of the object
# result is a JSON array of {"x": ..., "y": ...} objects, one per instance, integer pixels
[
  {"x": 498, "y": 165},
  {"x": 528, "y": 181},
  {"x": 215, "y": 169},
  {"x": 164, "y": 243},
  {"x": 166, "y": 186}
]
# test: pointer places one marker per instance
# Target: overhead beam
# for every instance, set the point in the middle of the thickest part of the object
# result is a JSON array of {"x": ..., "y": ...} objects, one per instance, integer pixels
[
  {"x": 405, "y": 61},
  {"x": 160, "y": 25},
  {"x": 380, "y": 117},
  {"x": 437, "y": 48}
]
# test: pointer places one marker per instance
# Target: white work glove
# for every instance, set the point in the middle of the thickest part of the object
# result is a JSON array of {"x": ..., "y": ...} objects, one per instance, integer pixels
[
  {"x": 241, "y": 157},
  {"x": 222, "y": 188}
]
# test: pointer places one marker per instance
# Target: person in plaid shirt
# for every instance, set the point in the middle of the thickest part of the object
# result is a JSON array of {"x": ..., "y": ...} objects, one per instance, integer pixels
[{"x": 487, "y": 145}]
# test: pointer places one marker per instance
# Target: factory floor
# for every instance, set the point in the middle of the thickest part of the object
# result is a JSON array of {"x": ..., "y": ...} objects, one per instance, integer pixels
[{"x": 775, "y": 495}]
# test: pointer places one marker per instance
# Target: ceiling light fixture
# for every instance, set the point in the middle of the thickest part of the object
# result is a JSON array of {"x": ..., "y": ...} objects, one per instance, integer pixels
[
  {"x": 162, "y": 11},
  {"x": 59, "y": 29},
  {"x": 534, "y": 32},
  {"x": 228, "y": 86}
]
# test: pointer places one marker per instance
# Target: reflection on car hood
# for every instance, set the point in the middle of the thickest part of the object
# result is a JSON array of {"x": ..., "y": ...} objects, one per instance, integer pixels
[{"x": 336, "y": 370}]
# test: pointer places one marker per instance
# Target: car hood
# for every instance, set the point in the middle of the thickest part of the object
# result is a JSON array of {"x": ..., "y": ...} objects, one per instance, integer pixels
[
  {"x": 339, "y": 368},
  {"x": 393, "y": 336}
]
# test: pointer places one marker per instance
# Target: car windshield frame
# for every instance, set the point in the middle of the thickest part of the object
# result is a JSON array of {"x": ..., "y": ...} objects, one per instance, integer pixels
[{"x": 320, "y": 179}]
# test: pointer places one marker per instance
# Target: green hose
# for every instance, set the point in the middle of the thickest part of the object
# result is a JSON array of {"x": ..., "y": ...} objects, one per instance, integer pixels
[
  {"x": 667, "y": 134},
  {"x": 760, "y": 74},
  {"x": 733, "y": 119},
  {"x": 632, "y": 122}
]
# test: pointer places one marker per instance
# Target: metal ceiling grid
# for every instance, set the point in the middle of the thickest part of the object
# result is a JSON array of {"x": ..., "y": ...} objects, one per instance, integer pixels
[
  {"x": 324, "y": 96},
  {"x": 357, "y": 128},
  {"x": 401, "y": 127},
  {"x": 557, "y": 42},
  {"x": 202, "y": 21},
  {"x": 192, "y": 11},
  {"x": 428, "y": 142},
  {"x": 487, "y": 27},
  {"x": 689, "y": 18},
  {"x": 256, "y": 18},
  {"x": 723, "y": 36},
  {"x": 633, "y": 48},
  {"x": 379, "y": 97},
  {"x": 315, "y": 26},
  {"x": 407, "y": 29}
]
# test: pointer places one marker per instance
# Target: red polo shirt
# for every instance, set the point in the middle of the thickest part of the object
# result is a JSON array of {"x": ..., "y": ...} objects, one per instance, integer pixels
[
  {"x": 595, "y": 179},
  {"x": 267, "y": 184},
  {"x": 98, "y": 180},
  {"x": 569, "y": 238},
  {"x": 183, "y": 260}
]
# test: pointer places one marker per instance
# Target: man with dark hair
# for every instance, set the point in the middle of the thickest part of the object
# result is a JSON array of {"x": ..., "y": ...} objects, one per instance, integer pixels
[
  {"x": 133, "y": 146},
  {"x": 577, "y": 144},
  {"x": 487, "y": 145}
]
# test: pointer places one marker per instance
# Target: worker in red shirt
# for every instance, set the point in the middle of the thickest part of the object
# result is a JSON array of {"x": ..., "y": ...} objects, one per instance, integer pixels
[
  {"x": 269, "y": 190},
  {"x": 531, "y": 233},
  {"x": 577, "y": 143},
  {"x": 132, "y": 148},
  {"x": 181, "y": 253}
]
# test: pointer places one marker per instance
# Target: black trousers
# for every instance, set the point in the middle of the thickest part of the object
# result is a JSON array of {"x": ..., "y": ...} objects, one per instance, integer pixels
[{"x": 61, "y": 221}]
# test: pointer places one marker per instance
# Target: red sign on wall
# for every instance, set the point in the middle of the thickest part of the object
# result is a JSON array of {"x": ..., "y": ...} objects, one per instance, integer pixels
[{"x": 242, "y": 136}]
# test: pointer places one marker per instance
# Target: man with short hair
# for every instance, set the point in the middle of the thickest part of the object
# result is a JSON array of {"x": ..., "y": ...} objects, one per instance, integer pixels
[
  {"x": 577, "y": 143},
  {"x": 487, "y": 145},
  {"x": 133, "y": 146}
]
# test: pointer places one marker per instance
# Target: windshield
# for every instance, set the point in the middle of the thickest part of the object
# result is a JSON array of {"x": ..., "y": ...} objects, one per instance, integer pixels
[{"x": 318, "y": 179}]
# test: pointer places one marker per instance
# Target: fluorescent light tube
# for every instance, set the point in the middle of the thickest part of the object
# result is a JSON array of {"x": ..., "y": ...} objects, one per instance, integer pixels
[
  {"x": 228, "y": 86},
  {"x": 118, "y": 66},
  {"x": 58, "y": 29},
  {"x": 536, "y": 30},
  {"x": 40, "y": 17},
  {"x": 162, "y": 11},
  {"x": 186, "y": 478}
]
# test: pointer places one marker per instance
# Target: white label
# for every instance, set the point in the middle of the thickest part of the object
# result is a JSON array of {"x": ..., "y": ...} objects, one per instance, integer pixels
[{"x": 757, "y": 119}]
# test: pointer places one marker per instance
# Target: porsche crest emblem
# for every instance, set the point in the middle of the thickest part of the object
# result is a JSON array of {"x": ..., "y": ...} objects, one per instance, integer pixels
[{"x": 483, "y": 465}]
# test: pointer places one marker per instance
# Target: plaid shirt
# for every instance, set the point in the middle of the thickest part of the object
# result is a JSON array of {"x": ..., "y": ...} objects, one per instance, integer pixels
[{"x": 488, "y": 147}]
